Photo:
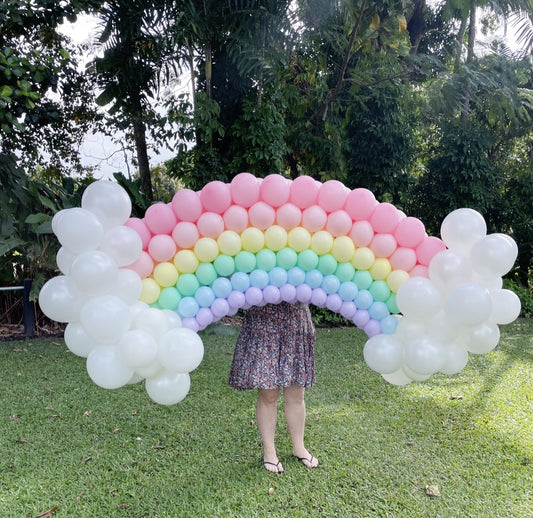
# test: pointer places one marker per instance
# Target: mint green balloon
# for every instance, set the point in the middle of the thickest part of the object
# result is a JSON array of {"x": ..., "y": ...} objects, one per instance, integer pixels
[
  {"x": 245, "y": 261},
  {"x": 380, "y": 291},
  {"x": 307, "y": 260},
  {"x": 169, "y": 298},
  {"x": 363, "y": 279},
  {"x": 345, "y": 272},
  {"x": 391, "y": 303},
  {"x": 286, "y": 258},
  {"x": 266, "y": 259},
  {"x": 155, "y": 305},
  {"x": 206, "y": 274},
  {"x": 187, "y": 284},
  {"x": 224, "y": 265},
  {"x": 327, "y": 264}
]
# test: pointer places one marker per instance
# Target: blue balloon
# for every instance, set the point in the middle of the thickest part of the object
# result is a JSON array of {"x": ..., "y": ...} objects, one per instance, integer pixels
[
  {"x": 378, "y": 310},
  {"x": 188, "y": 307},
  {"x": 296, "y": 276},
  {"x": 389, "y": 325},
  {"x": 330, "y": 284},
  {"x": 222, "y": 287},
  {"x": 363, "y": 299},
  {"x": 348, "y": 291},
  {"x": 259, "y": 279},
  {"x": 205, "y": 296},
  {"x": 314, "y": 278},
  {"x": 240, "y": 281},
  {"x": 278, "y": 276}
]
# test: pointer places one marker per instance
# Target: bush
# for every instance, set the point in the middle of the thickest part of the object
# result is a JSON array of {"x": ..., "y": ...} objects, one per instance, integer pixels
[{"x": 525, "y": 293}]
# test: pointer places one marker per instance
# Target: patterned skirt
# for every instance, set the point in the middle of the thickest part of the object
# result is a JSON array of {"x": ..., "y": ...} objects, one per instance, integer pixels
[{"x": 275, "y": 348}]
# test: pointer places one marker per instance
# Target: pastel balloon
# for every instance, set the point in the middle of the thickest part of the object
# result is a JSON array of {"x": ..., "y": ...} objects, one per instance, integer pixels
[
  {"x": 160, "y": 218},
  {"x": 314, "y": 218},
  {"x": 343, "y": 249},
  {"x": 64, "y": 259},
  {"x": 252, "y": 239},
  {"x": 286, "y": 258},
  {"x": 106, "y": 367},
  {"x": 360, "y": 204},
  {"x": 180, "y": 350},
  {"x": 505, "y": 306},
  {"x": 253, "y": 296},
  {"x": 383, "y": 353},
  {"x": 235, "y": 218},
  {"x": 319, "y": 297},
  {"x": 321, "y": 242},
  {"x": 345, "y": 272},
  {"x": 79, "y": 230},
  {"x": 187, "y": 284},
  {"x": 185, "y": 234},
  {"x": 240, "y": 281},
  {"x": 271, "y": 294},
  {"x": 259, "y": 279},
  {"x": 93, "y": 272},
  {"x": 222, "y": 287},
  {"x": 303, "y": 192},
  {"x": 348, "y": 310},
  {"x": 224, "y": 265},
  {"x": 327, "y": 264},
  {"x": 381, "y": 269},
  {"x": 296, "y": 276},
  {"x": 304, "y": 293},
  {"x": 188, "y": 307},
  {"x": 204, "y": 317},
  {"x": 236, "y": 299},
  {"x": 165, "y": 274},
  {"x": 383, "y": 245},
  {"x": 347, "y": 291},
  {"x": 288, "y": 216},
  {"x": 461, "y": 229},
  {"x": 245, "y": 189},
  {"x": 332, "y": 195},
  {"x": 215, "y": 197},
  {"x": 468, "y": 304},
  {"x": 384, "y": 218},
  {"x": 379, "y": 290},
  {"x": 186, "y": 205},
  {"x": 275, "y": 190},
  {"x": 60, "y": 300},
  {"x": 142, "y": 230},
  {"x": 288, "y": 293},
  {"x": 186, "y": 261},
  {"x": 229, "y": 243},
  {"x": 261, "y": 215},
  {"x": 169, "y": 298},
  {"x": 403, "y": 259},
  {"x": 307, "y": 260},
  {"x": 372, "y": 328},
  {"x": 314, "y": 278},
  {"x": 276, "y": 237},
  {"x": 206, "y": 249},
  {"x": 361, "y": 318},
  {"x": 494, "y": 255},
  {"x": 330, "y": 284},
  {"x": 245, "y": 261},
  {"x": 409, "y": 232},
  {"x": 396, "y": 278},
  {"x": 150, "y": 291},
  {"x": 334, "y": 302},
  {"x": 362, "y": 233},
  {"x": 278, "y": 276},
  {"x": 339, "y": 223},
  {"x": 363, "y": 258},
  {"x": 210, "y": 224},
  {"x": 105, "y": 318},
  {"x": 428, "y": 248},
  {"x": 167, "y": 388},
  {"x": 143, "y": 266},
  {"x": 108, "y": 201},
  {"x": 363, "y": 279},
  {"x": 162, "y": 248},
  {"x": 299, "y": 239},
  {"x": 418, "y": 298},
  {"x": 206, "y": 273}
]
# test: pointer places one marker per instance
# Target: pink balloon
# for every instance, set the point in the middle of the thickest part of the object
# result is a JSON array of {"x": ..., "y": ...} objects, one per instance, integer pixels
[
  {"x": 210, "y": 224},
  {"x": 383, "y": 245},
  {"x": 419, "y": 271},
  {"x": 339, "y": 223},
  {"x": 143, "y": 266},
  {"x": 403, "y": 258},
  {"x": 140, "y": 227},
  {"x": 261, "y": 215},
  {"x": 244, "y": 190},
  {"x": 314, "y": 218},
  {"x": 275, "y": 190},
  {"x": 332, "y": 195},
  {"x": 360, "y": 203},
  {"x": 187, "y": 205},
  {"x": 216, "y": 197},
  {"x": 410, "y": 232},
  {"x": 385, "y": 218},
  {"x": 235, "y": 218},
  {"x": 362, "y": 233},
  {"x": 304, "y": 191},
  {"x": 160, "y": 218},
  {"x": 288, "y": 216},
  {"x": 162, "y": 248},
  {"x": 427, "y": 249},
  {"x": 185, "y": 234}
]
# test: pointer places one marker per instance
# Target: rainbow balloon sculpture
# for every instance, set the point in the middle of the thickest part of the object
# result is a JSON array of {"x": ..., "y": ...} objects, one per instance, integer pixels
[{"x": 135, "y": 292}]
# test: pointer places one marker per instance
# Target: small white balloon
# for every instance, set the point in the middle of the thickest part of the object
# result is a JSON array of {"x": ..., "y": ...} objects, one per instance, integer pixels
[
  {"x": 383, "y": 353},
  {"x": 168, "y": 388},
  {"x": 173, "y": 319},
  {"x": 448, "y": 269},
  {"x": 64, "y": 260},
  {"x": 505, "y": 306},
  {"x": 123, "y": 244},
  {"x": 408, "y": 328},
  {"x": 108, "y": 201},
  {"x": 483, "y": 338},
  {"x": 105, "y": 318},
  {"x": 180, "y": 350},
  {"x": 397, "y": 378},
  {"x": 455, "y": 359},
  {"x": 442, "y": 328},
  {"x": 153, "y": 321},
  {"x": 494, "y": 255},
  {"x": 468, "y": 304},
  {"x": 418, "y": 298},
  {"x": 79, "y": 230},
  {"x": 137, "y": 308},
  {"x": 127, "y": 285},
  {"x": 94, "y": 272},
  {"x": 137, "y": 348},
  {"x": 491, "y": 282},
  {"x": 424, "y": 355},
  {"x": 151, "y": 370},
  {"x": 60, "y": 300},
  {"x": 461, "y": 229},
  {"x": 106, "y": 368},
  {"x": 77, "y": 340},
  {"x": 415, "y": 376}
]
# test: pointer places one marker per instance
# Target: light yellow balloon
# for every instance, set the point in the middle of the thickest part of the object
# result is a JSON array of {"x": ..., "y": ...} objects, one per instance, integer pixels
[
  {"x": 276, "y": 238},
  {"x": 363, "y": 258},
  {"x": 229, "y": 243},
  {"x": 252, "y": 239},
  {"x": 396, "y": 278},
  {"x": 322, "y": 242},
  {"x": 299, "y": 239},
  {"x": 343, "y": 249},
  {"x": 186, "y": 261},
  {"x": 150, "y": 292},
  {"x": 165, "y": 274},
  {"x": 206, "y": 249},
  {"x": 381, "y": 269}
]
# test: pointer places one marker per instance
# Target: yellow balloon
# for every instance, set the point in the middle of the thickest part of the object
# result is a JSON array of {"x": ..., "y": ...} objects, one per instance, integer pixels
[
  {"x": 150, "y": 292},
  {"x": 299, "y": 239},
  {"x": 381, "y": 269},
  {"x": 343, "y": 249},
  {"x": 252, "y": 239},
  {"x": 321, "y": 242},
  {"x": 186, "y": 262},
  {"x": 229, "y": 243},
  {"x": 396, "y": 278},
  {"x": 363, "y": 258},
  {"x": 276, "y": 238},
  {"x": 206, "y": 249},
  {"x": 165, "y": 274}
]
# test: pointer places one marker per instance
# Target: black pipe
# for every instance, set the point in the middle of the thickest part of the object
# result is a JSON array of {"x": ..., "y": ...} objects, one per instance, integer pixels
[{"x": 28, "y": 309}]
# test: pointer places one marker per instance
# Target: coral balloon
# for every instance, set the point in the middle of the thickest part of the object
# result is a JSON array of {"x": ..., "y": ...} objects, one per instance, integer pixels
[
  {"x": 215, "y": 197},
  {"x": 360, "y": 204},
  {"x": 245, "y": 188},
  {"x": 185, "y": 234},
  {"x": 304, "y": 192},
  {"x": 261, "y": 215},
  {"x": 210, "y": 224},
  {"x": 162, "y": 247},
  {"x": 314, "y": 218},
  {"x": 288, "y": 216},
  {"x": 332, "y": 195},
  {"x": 235, "y": 218},
  {"x": 186, "y": 205},
  {"x": 160, "y": 218},
  {"x": 275, "y": 190}
]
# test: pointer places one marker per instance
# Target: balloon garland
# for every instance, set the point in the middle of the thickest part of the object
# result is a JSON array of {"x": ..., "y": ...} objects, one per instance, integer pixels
[{"x": 135, "y": 292}]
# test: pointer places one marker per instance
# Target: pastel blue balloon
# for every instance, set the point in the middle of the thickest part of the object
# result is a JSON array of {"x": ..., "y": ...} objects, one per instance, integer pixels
[
  {"x": 205, "y": 296},
  {"x": 389, "y": 325},
  {"x": 222, "y": 287},
  {"x": 314, "y": 278},
  {"x": 240, "y": 281},
  {"x": 330, "y": 284},
  {"x": 266, "y": 259},
  {"x": 363, "y": 299},
  {"x": 378, "y": 310},
  {"x": 363, "y": 279},
  {"x": 278, "y": 276},
  {"x": 259, "y": 279},
  {"x": 347, "y": 291},
  {"x": 296, "y": 276},
  {"x": 188, "y": 307}
]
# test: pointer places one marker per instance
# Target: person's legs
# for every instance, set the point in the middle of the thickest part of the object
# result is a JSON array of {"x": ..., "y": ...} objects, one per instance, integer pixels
[
  {"x": 267, "y": 416},
  {"x": 295, "y": 417}
]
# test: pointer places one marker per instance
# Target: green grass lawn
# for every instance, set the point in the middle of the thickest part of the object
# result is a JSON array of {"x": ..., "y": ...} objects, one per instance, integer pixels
[{"x": 71, "y": 449}]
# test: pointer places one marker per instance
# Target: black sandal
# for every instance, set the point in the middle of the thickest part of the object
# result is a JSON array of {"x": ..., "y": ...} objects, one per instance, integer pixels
[{"x": 276, "y": 465}]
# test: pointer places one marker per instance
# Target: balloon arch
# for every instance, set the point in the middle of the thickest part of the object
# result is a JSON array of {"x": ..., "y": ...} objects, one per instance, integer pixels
[{"x": 135, "y": 292}]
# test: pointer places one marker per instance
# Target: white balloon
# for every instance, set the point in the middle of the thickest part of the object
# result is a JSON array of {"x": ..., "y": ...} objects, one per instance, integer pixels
[
  {"x": 461, "y": 229},
  {"x": 105, "y": 318},
  {"x": 483, "y": 338},
  {"x": 490, "y": 282},
  {"x": 442, "y": 328},
  {"x": 60, "y": 300},
  {"x": 137, "y": 348},
  {"x": 494, "y": 255},
  {"x": 468, "y": 304},
  {"x": 397, "y": 378},
  {"x": 383, "y": 353},
  {"x": 505, "y": 306},
  {"x": 123, "y": 244},
  {"x": 173, "y": 319},
  {"x": 56, "y": 218},
  {"x": 424, "y": 355},
  {"x": 106, "y": 368},
  {"x": 408, "y": 328},
  {"x": 64, "y": 259},
  {"x": 180, "y": 350},
  {"x": 415, "y": 376},
  {"x": 137, "y": 308},
  {"x": 168, "y": 388},
  {"x": 136, "y": 378},
  {"x": 77, "y": 340},
  {"x": 455, "y": 359},
  {"x": 94, "y": 272},
  {"x": 418, "y": 298},
  {"x": 128, "y": 285},
  {"x": 152, "y": 321},
  {"x": 78, "y": 230},
  {"x": 108, "y": 201},
  {"x": 448, "y": 269},
  {"x": 151, "y": 370}
]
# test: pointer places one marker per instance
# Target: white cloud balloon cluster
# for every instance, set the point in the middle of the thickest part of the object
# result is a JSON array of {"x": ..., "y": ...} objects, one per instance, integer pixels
[
  {"x": 453, "y": 313},
  {"x": 124, "y": 340}
]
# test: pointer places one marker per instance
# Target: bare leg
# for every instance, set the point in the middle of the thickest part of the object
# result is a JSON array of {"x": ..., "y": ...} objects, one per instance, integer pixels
[
  {"x": 295, "y": 417},
  {"x": 267, "y": 416}
]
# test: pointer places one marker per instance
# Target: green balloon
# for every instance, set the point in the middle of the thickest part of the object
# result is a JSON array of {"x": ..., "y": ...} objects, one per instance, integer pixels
[
  {"x": 187, "y": 284},
  {"x": 266, "y": 259},
  {"x": 206, "y": 274},
  {"x": 245, "y": 261},
  {"x": 327, "y": 264},
  {"x": 345, "y": 272},
  {"x": 169, "y": 298},
  {"x": 224, "y": 265},
  {"x": 391, "y": 303},
  {"x": 363, "y": 279},
  {"x": 380, "y": 290},
  {"x": 286, "y": 258},
  {"x": 155, "y": 305},
  {"x": 307, "y": 260}
]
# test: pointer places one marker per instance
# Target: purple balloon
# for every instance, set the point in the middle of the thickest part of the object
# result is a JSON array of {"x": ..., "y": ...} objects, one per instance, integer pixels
[
  {"x": 271, "y": 294},
  {"x": 220, "y": 308},
  {"x": 204, "y": 317},
  {"x": 304, "y": 293},
  {"x": 334, "y": 302},
  {"x": 372, "y": 328},
  {"x": 348, "y": 309},
  {"x": 288, "y": 293},
  {"x": 190, "y": 323},
  {"x": 236, "y": 299},
  {"x": 319, "y": 297},
  {"x": 360, "y": 318},
  {"x": 253, "y": 296}
]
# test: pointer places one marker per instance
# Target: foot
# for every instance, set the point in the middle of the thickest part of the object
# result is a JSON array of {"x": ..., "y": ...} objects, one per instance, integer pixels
[
  {"x": 307, "y": 459},
  {"x": 273, "y": 467}
]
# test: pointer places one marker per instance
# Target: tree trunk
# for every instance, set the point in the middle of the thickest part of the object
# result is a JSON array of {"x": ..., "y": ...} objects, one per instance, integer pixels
[
  {"x": 139, "y": 133},
  {"x": 208, "y": 70}
]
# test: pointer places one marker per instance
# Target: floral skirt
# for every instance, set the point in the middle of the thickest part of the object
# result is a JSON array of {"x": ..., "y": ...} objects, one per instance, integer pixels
[{"x": 275, "y": 348}]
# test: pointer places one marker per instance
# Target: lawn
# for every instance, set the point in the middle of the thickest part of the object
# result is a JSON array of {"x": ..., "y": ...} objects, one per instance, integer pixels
[{"x": 71, "y": 449}]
